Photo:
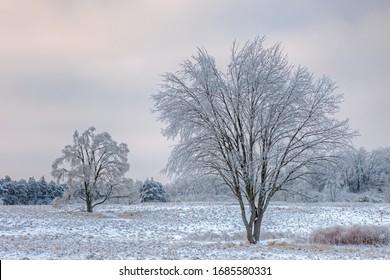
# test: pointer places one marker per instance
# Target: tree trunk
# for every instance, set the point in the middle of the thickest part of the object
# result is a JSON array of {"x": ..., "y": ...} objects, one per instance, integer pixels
[
  {"x": 88, "y": 200},
  {"x": 89, "y": 206},
  {"x": 248, "y": 225},
  {"x": 249, "y": 233},
  {"x": 253, "y": 227},
  {"x": 257, "y": 227},
  {"x": 88, "y": 197}
]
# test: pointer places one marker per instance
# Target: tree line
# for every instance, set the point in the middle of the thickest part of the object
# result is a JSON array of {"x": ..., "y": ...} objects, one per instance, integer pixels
[
  {"x": 356, "y": 171},
  {"x": 355, "y": 174},
  {"x": 40, "y": 192},
  {"x": 30, "y": 192}
]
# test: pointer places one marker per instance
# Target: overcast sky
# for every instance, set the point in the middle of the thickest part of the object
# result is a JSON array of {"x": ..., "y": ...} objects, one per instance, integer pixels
[{"x": 67, "y": 65}]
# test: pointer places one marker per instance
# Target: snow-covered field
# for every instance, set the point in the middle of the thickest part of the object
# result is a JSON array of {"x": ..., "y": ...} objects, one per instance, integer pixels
[{"x": 182, "y": 231}]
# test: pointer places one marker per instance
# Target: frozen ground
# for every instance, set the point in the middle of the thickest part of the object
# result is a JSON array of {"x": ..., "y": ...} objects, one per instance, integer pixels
[{"x": 181, "y": 231}]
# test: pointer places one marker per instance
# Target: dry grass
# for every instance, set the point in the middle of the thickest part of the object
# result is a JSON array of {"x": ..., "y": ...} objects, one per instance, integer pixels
[
  {"x": 353, "y": 235},
  {"x": 208, "y": 236},
  {"x": 129, "y": 215}
]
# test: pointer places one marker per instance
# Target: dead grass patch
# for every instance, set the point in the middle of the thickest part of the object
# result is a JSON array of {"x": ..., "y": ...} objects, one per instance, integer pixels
[
  {"x": 129, "y": 215},
  {"x": 352, "y": 235},
  {"x": 212, "y": 236}
]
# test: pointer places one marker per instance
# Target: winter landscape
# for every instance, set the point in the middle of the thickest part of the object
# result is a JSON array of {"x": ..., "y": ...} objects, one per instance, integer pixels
[
  {"x": 183, "y": 231},
  {"x": 194, "y": 130}
]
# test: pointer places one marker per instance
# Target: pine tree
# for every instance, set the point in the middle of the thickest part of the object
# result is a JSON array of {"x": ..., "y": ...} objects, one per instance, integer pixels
[{"x": 152, "y": 191}]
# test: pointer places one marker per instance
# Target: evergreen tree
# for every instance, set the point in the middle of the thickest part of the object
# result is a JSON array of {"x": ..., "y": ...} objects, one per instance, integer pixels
[
  {"x": 29, "y": 193},
  {"x": 43, "y": 196},
  {"x": 152, "y": 191},
  {"x": 32, "y": 191}
]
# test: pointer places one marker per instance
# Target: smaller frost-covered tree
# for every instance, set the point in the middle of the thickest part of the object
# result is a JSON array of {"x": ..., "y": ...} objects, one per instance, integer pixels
[
  {"x": 152, "y": 191},
  {"x": 93, "y": 167}
]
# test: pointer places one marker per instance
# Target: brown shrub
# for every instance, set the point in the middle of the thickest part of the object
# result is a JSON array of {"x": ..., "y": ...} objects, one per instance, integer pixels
[{"x": 353, "y": 235}]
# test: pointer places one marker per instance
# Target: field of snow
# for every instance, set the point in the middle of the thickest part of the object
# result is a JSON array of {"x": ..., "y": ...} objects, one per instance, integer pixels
[{"x": 182, "y": 231}]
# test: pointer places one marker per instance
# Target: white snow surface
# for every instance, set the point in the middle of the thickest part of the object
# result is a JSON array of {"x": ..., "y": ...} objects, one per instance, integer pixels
[{"x": 182, "y": 231}]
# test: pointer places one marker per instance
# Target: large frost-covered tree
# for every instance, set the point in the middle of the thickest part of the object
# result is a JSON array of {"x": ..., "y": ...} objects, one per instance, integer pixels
[
  {"x": 259, "y": 126},
  {"x": 92, "y": 167}
]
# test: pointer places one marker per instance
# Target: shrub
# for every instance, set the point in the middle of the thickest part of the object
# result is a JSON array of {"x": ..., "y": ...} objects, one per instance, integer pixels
[
  {"x": 152, "y": 191},
  {"x": 353, "y": 235},
  {"x": 362, "y": 198}
]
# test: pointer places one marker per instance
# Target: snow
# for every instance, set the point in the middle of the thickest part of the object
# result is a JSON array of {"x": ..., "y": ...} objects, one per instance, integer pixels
[{"x": 182, "y": 231}]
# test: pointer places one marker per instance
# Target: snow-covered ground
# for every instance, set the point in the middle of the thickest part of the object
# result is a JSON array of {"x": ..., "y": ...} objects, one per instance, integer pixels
[{"x": 182, "y": 231}]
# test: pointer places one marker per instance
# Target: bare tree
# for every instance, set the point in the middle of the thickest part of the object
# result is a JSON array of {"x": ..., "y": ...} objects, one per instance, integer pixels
[
  {"x": 259, "y": 127},
  {"x": 92, "y": 167}
]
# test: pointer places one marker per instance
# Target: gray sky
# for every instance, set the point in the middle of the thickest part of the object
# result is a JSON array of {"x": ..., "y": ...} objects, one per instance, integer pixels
[{"x": 67, "y": 65}]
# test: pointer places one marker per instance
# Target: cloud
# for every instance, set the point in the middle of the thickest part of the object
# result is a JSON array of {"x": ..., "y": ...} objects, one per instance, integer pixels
[
  {"x": 66, "y": 65},
  {"x": 353, "y": 53}
]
